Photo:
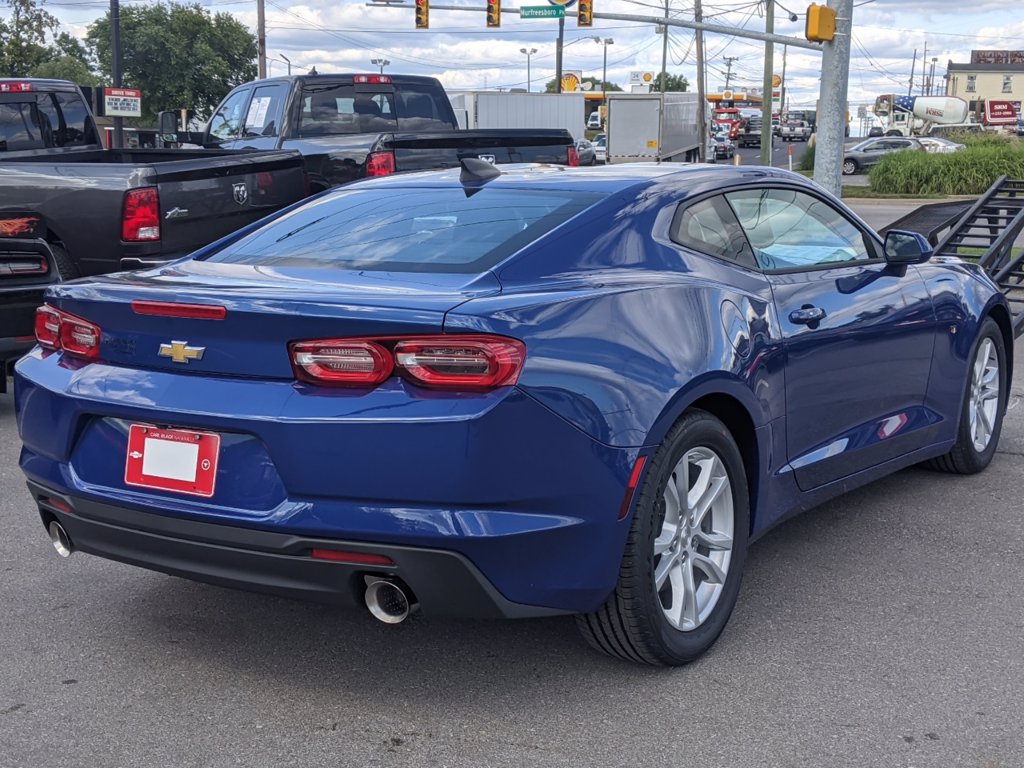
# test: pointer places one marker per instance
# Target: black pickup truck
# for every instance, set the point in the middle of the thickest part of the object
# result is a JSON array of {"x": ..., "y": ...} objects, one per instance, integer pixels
[
  {"x": 68, "y": 207},
  {"x": 348, "y": 126}
]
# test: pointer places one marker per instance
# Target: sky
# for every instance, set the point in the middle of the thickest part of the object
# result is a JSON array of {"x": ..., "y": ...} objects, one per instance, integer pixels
[{"x": 345, "y": 35}]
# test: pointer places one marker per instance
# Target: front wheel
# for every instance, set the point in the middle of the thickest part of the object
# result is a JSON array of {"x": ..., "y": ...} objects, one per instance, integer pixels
[
  {"x": 981, "y": 414},
  {"x": 849, "y": 167},
  {"x": 684, "y": 557}
]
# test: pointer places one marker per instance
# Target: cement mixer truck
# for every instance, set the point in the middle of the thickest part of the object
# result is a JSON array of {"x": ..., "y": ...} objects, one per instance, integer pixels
[{"x": 917, "y": 115}]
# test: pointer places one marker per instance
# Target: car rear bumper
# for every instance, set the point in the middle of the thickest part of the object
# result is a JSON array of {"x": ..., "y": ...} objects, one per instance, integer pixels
[
  {"x": 442, "y": 582},
  {"x": 494, "y": 480}
]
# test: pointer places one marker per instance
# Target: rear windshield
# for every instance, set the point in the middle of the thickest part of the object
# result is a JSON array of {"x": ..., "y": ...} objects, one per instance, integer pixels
[
  {"x": 407, "y": 230},
  {"x": 44, "y": 121},
  {"x": 331, "y": 110}
]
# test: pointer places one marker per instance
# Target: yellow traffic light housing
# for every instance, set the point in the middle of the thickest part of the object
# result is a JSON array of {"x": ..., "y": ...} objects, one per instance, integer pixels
[
  {"x": 422, "y": 14},
  {"x": 821, "y": 23},
  {"x": 585, "y": 14},
  {"x": 493, "y": 13}
]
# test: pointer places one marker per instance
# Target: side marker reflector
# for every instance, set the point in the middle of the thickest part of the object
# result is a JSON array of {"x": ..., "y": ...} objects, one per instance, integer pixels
[{"x": 634, "y": 481}]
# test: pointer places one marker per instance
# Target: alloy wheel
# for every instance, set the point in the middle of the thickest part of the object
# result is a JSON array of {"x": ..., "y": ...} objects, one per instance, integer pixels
[{"x": 984, "y": 397}]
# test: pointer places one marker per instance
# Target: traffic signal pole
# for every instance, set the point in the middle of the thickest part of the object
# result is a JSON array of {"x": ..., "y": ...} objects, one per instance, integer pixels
[{"x": 832, "y": 106}]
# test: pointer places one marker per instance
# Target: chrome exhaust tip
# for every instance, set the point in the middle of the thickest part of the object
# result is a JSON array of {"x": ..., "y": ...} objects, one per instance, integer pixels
[
  {"x": 61, "y": 540},
  {"x": 387, "y": 601}
]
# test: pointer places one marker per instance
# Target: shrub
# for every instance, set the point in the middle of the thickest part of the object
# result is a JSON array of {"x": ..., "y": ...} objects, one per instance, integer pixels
[
  {"x": 807, "y": 159},
  {"x": 969, "y": 172}
]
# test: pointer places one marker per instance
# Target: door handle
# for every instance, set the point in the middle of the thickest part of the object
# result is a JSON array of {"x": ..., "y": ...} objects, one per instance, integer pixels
[{"x": 807, "y": 315}]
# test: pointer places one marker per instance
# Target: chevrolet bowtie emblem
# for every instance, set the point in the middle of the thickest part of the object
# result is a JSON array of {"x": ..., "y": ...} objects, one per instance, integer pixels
[{"x": 181, "y": 352}]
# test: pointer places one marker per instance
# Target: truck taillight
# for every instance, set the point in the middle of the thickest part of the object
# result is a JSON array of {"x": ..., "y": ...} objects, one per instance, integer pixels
[
  {"x": 574, "y": 157},
  {"x": 380, "y": 164},
  {"x": 15, "y": 87},
  {"x": 450, "y": 361},
  {"x": 372, "y": 79},
  {"x": 140, "y": 215},
  {"x": 63, "y": 331}
]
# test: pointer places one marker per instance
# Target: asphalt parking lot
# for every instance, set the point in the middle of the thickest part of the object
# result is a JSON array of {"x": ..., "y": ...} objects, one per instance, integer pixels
[{"x": 882, "y": 629}]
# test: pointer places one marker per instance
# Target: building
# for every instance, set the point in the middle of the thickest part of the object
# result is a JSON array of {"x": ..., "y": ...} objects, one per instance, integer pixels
[{"x": 990, "y": 75}]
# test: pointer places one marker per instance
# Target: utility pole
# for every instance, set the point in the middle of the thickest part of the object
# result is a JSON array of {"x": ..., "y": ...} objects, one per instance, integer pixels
[
  {"x": 558, "y": 54},
  {"x": 664, "y": 50},
  {"x": 924, "y": 67},
  {"x": 261, "y": 40},
  {"x": 913, "y": 66},
  {"x": 702, "y": 102},
  {"x": 115, "y": 52},
  {"x": 835, "y": 74},
  {"x": 766, "y": 86},
  {"x": 783, "y": 107},
  {"x": 931, "y": 76},
  {"x": 728, "y": 71}
]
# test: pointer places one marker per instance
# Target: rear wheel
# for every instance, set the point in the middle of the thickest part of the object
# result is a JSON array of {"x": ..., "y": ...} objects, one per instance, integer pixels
[
  {"x": 65, "y": 266},
  {"x": 684, "y": 557},
  {"x": 850, "y": 167},
  {"x": 981, "y": 415}
]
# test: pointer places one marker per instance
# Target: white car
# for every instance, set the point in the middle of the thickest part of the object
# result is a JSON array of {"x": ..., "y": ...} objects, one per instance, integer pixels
[
  {"x": 935, "y": 144},
  {"x": 594, "y": 121},
  {"x": 600, "y": 143}
]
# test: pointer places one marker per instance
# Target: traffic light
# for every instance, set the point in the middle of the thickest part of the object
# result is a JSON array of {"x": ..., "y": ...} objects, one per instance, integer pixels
[
  {"x": 821, "y": 23},
  {"x": 585, "y": 14},
  {"x": 493, "y": 13},
  {"x": 422, "y": 14}
]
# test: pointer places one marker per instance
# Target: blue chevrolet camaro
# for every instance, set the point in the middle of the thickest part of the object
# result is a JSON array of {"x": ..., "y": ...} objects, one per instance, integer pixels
[{"x": 525, "y": 393}]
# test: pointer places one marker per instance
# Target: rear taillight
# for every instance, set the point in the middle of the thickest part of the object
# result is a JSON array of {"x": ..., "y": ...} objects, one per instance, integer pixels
[
  {"x": 455, "y": 362},
  {"x": 380, "y": 164},
  {"x": 574, "y": 157},
  {"x": 345, "y": 362},
  {"x": 172, "y": 309},
  {"x": 60, "y": 330},
  {"x": 469, "y": 362},
  {"x": 18, "y": 265},
  {"x": 48, "y": 327},
  {"x": 140, "y": 215}
]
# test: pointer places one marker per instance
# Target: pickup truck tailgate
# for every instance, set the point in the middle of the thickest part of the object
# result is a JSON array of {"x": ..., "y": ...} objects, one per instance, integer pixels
[
  {"x": 202, "y": 200},
  {"x": 440, "y": 150}
]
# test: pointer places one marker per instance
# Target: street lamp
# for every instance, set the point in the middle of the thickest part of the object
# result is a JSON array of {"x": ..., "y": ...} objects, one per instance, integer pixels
[
  {"x": 931, "y": 76},
  {"x": 604, "y": 70},
  {"x": 288, "y": 62},
  {"x": 380, "y": 63},
  {"x": 528, "y": 53}
]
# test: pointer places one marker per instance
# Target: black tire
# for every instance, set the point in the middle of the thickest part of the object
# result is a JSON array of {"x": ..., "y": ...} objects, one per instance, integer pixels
[
  {"x": 65, "y": 266},
  {"x": 632, "y": 624},
  {"x": 850, "y": 167},
  {"x": 964, "y": 458}
]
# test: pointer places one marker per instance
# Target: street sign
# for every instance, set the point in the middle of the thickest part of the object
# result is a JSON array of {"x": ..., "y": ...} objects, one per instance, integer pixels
[
  {"x": 541, "y": 12},
  {"x": 122, "y": 102}
]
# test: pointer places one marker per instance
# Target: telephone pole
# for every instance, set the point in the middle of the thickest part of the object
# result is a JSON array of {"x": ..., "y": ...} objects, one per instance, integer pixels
[
  {"x": 835, "y": 74},
  {"x": 924, "y": 68},
  {"x": 728, "y": 71},
  {"x": 261, "y": 40},
  {"x": 702, "y": 103},
  {"x": 913, "y": 66},
  {"x": 766, "y": 84},
  {"x": 664, "y": 50}
]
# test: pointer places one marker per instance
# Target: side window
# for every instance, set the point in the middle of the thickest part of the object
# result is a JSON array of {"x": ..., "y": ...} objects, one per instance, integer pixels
[
  {"x": 788, "y": 229},
  {"x": 263, "y": 117},
  {"x": 710, "y": 227},
  {"x": 23, "y": 126},
  {"x": 78, "y": 128},
  {"x": 226, "y": 124}
]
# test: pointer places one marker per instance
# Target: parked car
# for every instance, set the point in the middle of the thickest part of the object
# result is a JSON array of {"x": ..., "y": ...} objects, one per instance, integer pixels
[
  {"x": 349, "y": 126},
  {"x": 585, "y": 152},
  {"x": 70, "y": 207},
  {"x": 508, "y": 393},
  {"x": 796, "y": 130},
  {"x": 938, "y": 145},
  {"x": 869, "y": 152},
  {"x": 601, "y": 148},
  {"x": 875, "y": 130}
]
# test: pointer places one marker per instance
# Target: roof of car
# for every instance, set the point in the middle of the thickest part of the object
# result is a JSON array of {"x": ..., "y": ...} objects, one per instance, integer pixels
[{"x": 606, "y": 179}]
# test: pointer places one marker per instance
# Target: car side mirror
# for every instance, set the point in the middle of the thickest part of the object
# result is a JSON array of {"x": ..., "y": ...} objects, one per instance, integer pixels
[
  {"x": 903, "y": 247},
  {"x": 169, "y": 127}
]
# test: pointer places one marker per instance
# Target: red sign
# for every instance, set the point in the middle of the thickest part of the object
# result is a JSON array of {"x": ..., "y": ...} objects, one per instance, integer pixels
[
  {"x": 176, "y": 460},
  {"x": 1000, "y": 113},
  {"x": 122, "y": 102}
]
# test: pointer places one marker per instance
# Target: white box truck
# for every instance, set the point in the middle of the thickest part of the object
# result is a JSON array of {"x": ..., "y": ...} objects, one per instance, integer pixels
[
  {"x": 652, "y": 127},
  {"x": 488, "y": 109}
]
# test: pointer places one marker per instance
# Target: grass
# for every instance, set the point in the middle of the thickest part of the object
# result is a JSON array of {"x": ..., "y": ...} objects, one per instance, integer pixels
[
  {"x": 851, "y": 192},
  {"x": 969, "y": 172}
]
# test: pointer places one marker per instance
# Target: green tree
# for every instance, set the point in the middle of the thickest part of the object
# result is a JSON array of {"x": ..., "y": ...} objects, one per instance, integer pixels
[
  {"x": 552, "y": 86},
  {"x": 67, "y": 68},
  {"x": 180, "y": 56},
  {"x": 23, "y": 32},
  {"x": 672, "y": 83}
]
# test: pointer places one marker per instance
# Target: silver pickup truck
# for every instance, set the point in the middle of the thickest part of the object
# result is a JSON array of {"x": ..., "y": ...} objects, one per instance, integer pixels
[{"x": 797, "y": 130}]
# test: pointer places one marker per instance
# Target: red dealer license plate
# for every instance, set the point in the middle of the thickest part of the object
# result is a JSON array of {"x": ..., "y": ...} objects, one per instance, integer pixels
[{"x": 179, "y": 460}]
